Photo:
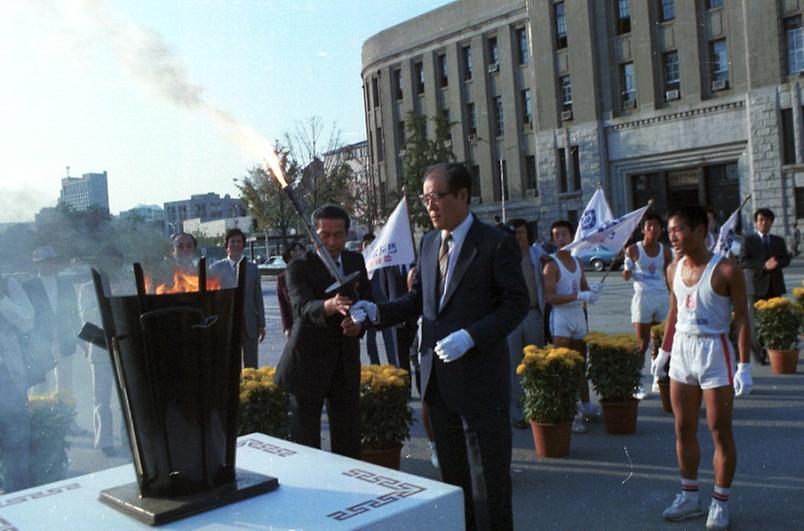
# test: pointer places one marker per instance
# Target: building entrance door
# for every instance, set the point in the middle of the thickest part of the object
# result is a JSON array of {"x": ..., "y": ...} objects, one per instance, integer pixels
[{"x": 682, "y": 197}]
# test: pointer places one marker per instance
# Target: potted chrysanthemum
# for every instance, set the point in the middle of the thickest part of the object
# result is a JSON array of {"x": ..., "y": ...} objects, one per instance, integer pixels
[
  {"x": 264, "y": 406},
  {"x": 51, "y": 417},
  {"x": 778, "y": 321},
  {"x": 550, "y": 386},
  {"x": 385, "y": 416},
  {"x": 614, "y": 369}
]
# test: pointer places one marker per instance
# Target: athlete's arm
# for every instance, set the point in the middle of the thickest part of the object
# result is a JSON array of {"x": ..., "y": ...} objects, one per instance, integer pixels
[
  {"x": 672, "y": 313},
  {"x": 630, "y": 252},
  {"x": 729, "y": 281}
]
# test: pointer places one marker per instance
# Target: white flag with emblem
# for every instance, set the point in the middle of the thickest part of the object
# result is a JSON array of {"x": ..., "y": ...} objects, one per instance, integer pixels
[
  {"x": 596, "y": 214},
  {"x": 611, "y": 235},
  {"x": 394, "y": 243},
  {"x": 726, "y": 236}
]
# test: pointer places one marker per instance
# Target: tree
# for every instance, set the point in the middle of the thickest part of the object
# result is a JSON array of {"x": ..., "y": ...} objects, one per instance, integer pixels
[
  {"x": 420, "y": 153},
  {"x": 266, "y": 201}
]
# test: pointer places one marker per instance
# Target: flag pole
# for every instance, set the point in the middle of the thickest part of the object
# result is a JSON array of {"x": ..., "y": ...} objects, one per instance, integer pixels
[{"x": 611, "y": 265}]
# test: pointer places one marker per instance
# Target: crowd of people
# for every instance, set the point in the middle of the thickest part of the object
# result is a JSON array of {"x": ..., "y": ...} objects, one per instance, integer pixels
[{"x": 458, "y": 319}]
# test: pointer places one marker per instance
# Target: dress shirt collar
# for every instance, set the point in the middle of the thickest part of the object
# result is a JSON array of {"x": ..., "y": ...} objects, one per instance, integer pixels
[{"x": 459, "y": 233}]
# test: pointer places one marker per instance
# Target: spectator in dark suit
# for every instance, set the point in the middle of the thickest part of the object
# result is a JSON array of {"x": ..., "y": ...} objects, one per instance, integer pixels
[
  {"x": 764, "y": 255},
  {"x": 470, "y": 293},
  {"x": 295, "y": 250},
  {"x": 321, "y": 360}
]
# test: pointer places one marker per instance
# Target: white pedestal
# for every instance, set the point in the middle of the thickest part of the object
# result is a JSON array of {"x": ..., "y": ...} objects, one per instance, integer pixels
[{"x": 317, "y": 490}]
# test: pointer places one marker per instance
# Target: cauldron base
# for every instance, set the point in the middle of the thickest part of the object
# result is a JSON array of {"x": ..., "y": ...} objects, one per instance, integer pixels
[{"x": 158, "y": 511}]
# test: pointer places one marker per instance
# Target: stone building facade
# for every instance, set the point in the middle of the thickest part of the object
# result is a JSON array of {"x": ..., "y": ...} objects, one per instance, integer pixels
[{"x": 679, "y": 101}]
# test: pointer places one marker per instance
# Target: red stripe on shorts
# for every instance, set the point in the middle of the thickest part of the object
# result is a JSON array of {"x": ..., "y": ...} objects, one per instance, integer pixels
[{"x": 725, "y": 344}]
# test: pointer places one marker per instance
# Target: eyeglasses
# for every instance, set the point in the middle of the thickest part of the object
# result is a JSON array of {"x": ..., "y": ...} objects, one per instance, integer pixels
[{"x": 433, "y": 197}]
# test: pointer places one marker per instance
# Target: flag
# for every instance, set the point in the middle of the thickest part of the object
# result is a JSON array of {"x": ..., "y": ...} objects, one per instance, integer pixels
[
  {"x": 394, "y": 243},
  {"x": 611, "y": 235},
  {"x": 596, "y": 214},
  {"x": 726, "y": 236}
]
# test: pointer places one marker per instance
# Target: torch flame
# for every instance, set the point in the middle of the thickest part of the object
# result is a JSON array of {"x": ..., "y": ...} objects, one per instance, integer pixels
[
  {"x": 182, "y": 283},
  {"x": 276, "y": 168}
]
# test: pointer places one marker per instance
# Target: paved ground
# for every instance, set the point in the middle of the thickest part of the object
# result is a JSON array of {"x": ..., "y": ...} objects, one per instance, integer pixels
[{"x": 611, "y": 482}]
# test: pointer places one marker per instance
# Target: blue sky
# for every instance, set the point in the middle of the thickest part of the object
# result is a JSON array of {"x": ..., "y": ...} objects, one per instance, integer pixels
[{"x": 73, "y": 91}]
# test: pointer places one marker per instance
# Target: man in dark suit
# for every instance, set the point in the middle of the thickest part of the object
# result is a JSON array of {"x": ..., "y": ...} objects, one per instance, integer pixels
[
  {"x": 321, "y": 360},
  {"x": 253, "y": 306},
  {"x": 471, "y": 294},
  {"x": 764, "y": 255}
]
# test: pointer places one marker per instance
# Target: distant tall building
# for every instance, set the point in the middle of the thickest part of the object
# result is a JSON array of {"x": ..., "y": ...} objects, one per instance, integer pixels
[
  {"x": 679, "y": 101},
  {"x": 206, "y": 207},
  {"x": 89, "y": 190}
]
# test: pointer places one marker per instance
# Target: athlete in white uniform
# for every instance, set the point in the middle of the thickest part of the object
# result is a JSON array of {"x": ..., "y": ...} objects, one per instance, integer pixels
[
  {"x": 645, "y": 263},
  {"x": 705, "y": 289},
  {"x": 565, "y": 288}
]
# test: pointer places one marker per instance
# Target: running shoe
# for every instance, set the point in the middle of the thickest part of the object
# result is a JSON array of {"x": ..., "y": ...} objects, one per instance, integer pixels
[
  {"x": 589, "y": 411},
  {"x": 640, "y": 393},
  {"x": 683, "y": 507},
  {"x": 579, "y": 424},
  {"x": 718, "y": 518}
]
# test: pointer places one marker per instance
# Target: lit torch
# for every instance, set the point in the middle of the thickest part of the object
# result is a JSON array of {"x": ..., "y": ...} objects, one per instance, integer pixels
[{"x": 343, "y": 283}]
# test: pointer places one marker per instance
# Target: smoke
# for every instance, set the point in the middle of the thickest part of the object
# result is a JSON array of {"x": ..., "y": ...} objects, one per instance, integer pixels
[
  {"x": 20, "y": 204},
  {"x": 145, "y": 57}
]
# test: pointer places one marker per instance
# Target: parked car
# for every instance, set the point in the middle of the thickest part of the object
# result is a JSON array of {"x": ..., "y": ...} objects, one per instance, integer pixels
[
  {"x": 599, "y": 258},
  {"x": 273, "y": 266}
]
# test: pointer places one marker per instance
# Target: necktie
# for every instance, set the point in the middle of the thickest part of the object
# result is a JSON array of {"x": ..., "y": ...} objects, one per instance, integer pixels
[
  {"x": 443, "y": 261},
  {"x": 766, "y": 242}
]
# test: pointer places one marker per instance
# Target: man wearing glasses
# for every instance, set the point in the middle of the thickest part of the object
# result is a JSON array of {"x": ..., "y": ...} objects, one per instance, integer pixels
[{"x": 470, "y": 292}]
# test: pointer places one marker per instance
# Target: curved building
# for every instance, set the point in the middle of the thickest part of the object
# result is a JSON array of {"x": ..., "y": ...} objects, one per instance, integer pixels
[{"x": 679, "y": 101}]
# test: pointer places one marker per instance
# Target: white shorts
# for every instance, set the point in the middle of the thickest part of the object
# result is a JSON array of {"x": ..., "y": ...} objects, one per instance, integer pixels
[
  {"x": 568, "y": 322},
  {"x": 649, "y": 306},
  {"x": 705, "y": 361}
]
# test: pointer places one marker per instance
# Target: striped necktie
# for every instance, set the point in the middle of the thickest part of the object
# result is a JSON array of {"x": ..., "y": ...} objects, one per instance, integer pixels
[{"x": 443, "y": 262}]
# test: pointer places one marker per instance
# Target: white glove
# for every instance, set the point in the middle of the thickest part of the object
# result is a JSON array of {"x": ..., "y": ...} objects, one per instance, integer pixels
[
  {"x": 742, "y": 380},
  {"x": 596, "y": 287},
  {"x": 657, "y": 364},
  {"x": 362, "y": 309},
  {"x": 587, "y": 296},
  {"x": 454, "y": 346}
]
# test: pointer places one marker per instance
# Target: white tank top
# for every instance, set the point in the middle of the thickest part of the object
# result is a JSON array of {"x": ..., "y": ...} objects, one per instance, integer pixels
[
  {"x": 568, "y": 282},
  {"x": 701, "y": 311},
  {"x": 652, "y": 270}
]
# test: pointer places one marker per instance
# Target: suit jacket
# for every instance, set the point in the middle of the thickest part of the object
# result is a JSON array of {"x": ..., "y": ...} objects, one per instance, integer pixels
[
  {"x": 285, "y": 306},
  {"x": 253, "y": 305},
  {"x": 61, "y": 322},
  {"x": 316, "y": 341},
  {"x": 487, "y": 296},
  {"x": 753, "y": 257}
]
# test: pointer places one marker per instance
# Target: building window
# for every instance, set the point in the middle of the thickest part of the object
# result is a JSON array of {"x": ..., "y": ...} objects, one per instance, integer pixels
[
  {"x": 530, "y": 174},
  {"x": 527, "y": 107},
  {"x": 400, "y": 132},
  {"x": 472, "y": 118},
  {"x": 562, "y": 170},
  {"x": 443, "y": 78},
  {"x": 627, "y": 82},
  {"x": 418, "y": 69},
  {"x": 468, "y": 68},
  {"x": 799, "y": 203},
  {"x": 667, "y": 10},
  {"x": 719, "y": 54},
  {"x": 375, "y": 91},
  {"x": 397, "y": 80},
  {"x": 503, "y": 175},
  {"x": 623, "y": 16},
  {"x": 494, "y": 51},
  {"x": 445, "y": 114},
  {"x": 474, "y": 169},
  {"x": 561, "y": 25},
  {"x": 522, "y": 45},
  {"x": 566, "y": 93},
  {"x": 576, "y": 167},
  {"x": 788, "y": 137},
  {"x": 795, "y": 44},
  {"x": 671, "y": 76},
  {"x": 498, "y": 115},
  {"x": 380, "y": 145},
  {"x": 712, "y": 4}
]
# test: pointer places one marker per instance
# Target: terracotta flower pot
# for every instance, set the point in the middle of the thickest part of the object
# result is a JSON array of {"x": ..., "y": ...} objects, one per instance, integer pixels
[
  {"x": 783, "y": 361},
  {"x": 551, "y": 439},
  {"x": 620, "y": 417},
  {"x": 387, "y": 457},
  {"x": 664, "y": 394}
]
